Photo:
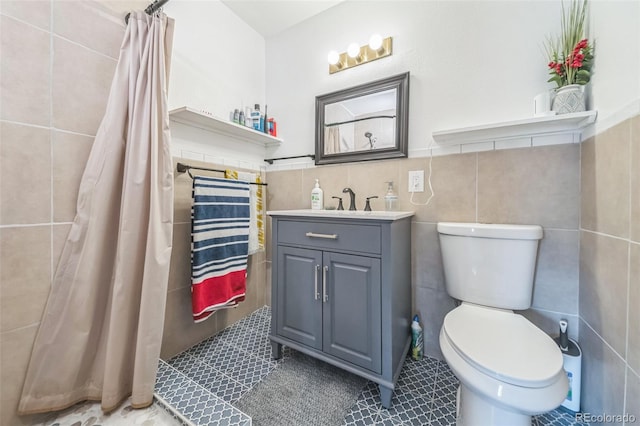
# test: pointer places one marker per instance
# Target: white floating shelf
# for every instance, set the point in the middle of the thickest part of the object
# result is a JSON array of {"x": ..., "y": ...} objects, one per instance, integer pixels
[
  {"x": 192, "y": 117},
  {"x": 531, "y": 127}
]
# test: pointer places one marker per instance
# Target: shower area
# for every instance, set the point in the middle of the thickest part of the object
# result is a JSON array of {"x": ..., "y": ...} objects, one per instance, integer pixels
[{"x": 59, "y": 62}]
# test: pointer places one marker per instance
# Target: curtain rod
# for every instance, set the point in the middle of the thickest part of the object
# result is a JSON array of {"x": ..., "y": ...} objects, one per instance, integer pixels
[
  {"x": 150, "y": 10},
  {"x": 359, "y": 119},
  {"x": 271, "y": 160},
  {"x": 181, "y": 168}
]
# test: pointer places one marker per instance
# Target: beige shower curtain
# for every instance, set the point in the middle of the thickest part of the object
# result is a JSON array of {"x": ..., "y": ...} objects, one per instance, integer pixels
[
  {"x": 101, "y": 331},
  {"x": 332, "y": 143}
]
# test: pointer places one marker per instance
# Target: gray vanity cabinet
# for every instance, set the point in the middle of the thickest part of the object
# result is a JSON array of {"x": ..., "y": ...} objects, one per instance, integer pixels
[
  {"x": 330, "y": 302},
  {"x": 341, "y": 292}
]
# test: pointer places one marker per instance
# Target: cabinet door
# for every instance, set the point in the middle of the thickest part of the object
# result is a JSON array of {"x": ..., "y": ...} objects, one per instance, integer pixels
[
  {"x": 351, "y": 312},
  {"x": 299, "y": 310}
]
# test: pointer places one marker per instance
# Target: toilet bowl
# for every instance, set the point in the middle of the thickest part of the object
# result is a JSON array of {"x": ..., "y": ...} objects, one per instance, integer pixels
[{"x": 508, "y": 368}]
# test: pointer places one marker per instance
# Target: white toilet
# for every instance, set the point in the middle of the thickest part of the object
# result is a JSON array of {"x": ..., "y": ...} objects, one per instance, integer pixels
[{"x": 508, "y": 369}]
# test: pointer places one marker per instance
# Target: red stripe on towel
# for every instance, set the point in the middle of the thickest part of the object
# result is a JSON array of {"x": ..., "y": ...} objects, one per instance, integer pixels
[{"x": 216, "y": 293}]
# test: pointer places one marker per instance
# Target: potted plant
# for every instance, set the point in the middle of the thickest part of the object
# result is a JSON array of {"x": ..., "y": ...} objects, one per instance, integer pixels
[{"x": 570, "y": 59}]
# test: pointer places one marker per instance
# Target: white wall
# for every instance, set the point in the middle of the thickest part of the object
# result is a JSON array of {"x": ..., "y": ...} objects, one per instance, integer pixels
[
  {"x": 615, "y": 84},
  {"x": 471, "y": 62},
  {"x": 218, "y": 61},
  {"x": 218, "y": 64}
]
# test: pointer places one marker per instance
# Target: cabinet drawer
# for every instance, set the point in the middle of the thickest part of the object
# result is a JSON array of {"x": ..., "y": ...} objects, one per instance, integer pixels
[{"x": 340, "y": 236}]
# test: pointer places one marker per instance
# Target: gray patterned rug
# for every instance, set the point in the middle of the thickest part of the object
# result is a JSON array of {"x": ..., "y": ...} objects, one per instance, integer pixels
[{"x": 302, "y": 391}]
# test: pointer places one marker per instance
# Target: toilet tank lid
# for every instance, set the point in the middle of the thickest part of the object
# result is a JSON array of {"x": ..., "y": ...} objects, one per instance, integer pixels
[{"x": 491, "y": 230}]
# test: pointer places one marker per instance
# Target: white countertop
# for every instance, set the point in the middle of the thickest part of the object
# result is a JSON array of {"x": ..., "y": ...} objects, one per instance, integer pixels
[{"x": 345, "y": 214}]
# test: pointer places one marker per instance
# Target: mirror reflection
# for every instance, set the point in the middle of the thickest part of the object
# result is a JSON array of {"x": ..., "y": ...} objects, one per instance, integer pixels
[{"x": 361, "y": 124}]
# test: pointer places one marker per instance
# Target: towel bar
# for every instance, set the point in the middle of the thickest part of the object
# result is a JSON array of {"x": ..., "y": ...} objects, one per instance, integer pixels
[{"x": 181, "y": 168}]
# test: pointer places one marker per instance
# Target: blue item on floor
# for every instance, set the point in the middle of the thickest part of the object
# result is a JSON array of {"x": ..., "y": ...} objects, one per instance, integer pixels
[{"x": 416, "y": 339}]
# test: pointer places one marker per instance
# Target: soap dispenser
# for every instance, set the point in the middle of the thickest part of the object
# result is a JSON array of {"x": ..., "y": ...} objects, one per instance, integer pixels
[
  {"x": 390, "y": 199},
  {"x": 317, "y": 199}
]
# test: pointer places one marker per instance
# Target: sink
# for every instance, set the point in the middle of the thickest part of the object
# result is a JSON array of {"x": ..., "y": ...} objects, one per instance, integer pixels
[{"x": 354, "y": 214}]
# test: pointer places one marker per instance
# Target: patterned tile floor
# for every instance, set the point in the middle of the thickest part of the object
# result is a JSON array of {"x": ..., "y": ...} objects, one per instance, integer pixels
[{"x": 228, "y": 364}]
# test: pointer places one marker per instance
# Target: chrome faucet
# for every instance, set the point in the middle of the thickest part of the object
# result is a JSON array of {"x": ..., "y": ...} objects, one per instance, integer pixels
[{"x": 352, "y": 196}]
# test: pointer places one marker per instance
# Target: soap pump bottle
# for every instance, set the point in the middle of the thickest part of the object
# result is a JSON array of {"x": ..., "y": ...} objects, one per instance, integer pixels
[
  {"x": 317, "y": 199},
  {"x": 391, "y": 199}
]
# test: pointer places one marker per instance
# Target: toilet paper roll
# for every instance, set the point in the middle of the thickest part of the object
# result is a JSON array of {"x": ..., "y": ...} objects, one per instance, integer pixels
[{"x": 542, "y": 104}]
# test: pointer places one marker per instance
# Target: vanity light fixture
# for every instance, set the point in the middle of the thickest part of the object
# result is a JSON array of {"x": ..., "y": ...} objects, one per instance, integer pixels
[
  {"x": 353, "y": 50},
  {"x": 334, "y": 58},
  {"x": 375, "y": 43},
  {"x": 358, "y": 55}
]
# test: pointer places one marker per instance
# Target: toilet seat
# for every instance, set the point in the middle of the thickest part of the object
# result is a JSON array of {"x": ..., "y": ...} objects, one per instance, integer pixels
[{"x": 482, "y": 336}]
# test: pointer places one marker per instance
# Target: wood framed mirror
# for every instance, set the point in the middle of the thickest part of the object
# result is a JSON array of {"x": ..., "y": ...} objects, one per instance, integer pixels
[{"x": 365, "y": 122}]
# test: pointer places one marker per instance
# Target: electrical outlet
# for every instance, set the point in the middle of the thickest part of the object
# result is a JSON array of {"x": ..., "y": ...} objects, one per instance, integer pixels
[{"x": 416, "y": 181}]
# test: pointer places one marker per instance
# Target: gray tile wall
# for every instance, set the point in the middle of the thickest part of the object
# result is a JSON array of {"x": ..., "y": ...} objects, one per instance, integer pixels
[
  {"x": 58, "y": 59},
  {"x": 495, "y": 186},
  {"x": 609, "y": 288}
]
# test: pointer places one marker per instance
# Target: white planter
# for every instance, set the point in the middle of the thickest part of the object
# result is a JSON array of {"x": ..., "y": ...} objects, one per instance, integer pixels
[{"x": 570, "y": 98}]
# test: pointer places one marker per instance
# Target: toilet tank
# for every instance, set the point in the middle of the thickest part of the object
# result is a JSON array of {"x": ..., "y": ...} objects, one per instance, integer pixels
[{"x": 490, "y": 264}]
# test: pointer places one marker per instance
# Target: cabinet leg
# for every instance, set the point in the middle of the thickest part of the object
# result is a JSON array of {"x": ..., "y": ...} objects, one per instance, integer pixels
[
  {"x": 385, "y": 396},
  {"x": 276, "y": 350}
]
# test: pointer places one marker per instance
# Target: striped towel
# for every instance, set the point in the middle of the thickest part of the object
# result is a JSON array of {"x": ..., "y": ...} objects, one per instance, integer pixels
[
  {"x": 256, "y": 197},
  {"x": 219, "y": 244}
]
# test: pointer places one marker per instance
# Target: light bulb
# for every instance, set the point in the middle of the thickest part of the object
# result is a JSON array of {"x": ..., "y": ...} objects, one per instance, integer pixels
[
  {"x": 375, "y": 42},
  {"x": 353, "y": 50},
  {"x": 333, "y": 57}
]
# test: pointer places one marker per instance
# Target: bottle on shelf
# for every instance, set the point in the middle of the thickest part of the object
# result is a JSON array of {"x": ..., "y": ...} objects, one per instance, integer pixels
[
  {"x": 255, "y": 116},
  {"x": 273, "y": 130},
  {"x": 248, "y": 121}
]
